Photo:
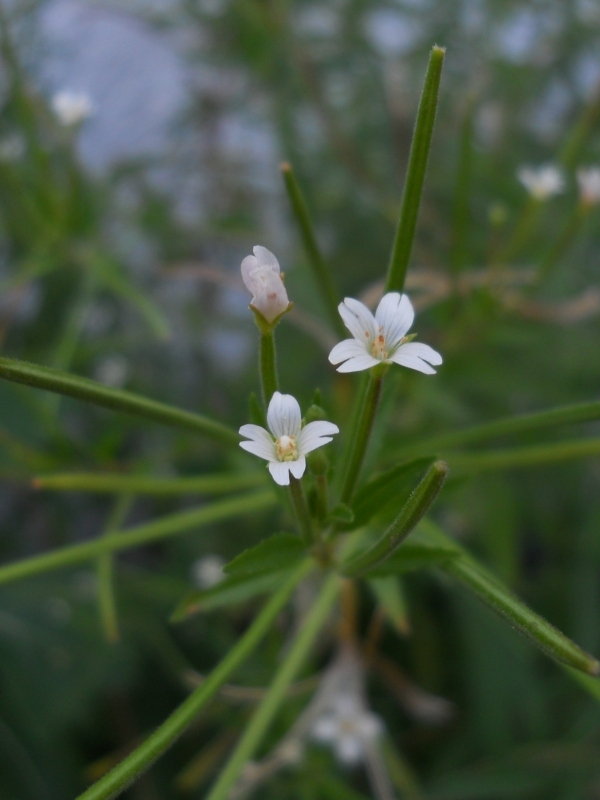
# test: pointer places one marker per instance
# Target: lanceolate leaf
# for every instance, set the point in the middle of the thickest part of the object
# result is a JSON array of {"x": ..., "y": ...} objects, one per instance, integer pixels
[
  {"x": 384, "y": 494},
  {"x": 231, "y": 591},
  {"x": 277, "y": 553}
]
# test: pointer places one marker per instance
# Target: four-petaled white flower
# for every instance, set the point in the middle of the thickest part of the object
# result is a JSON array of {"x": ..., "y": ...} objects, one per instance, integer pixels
[
  {"x": 71, "y": 107},
  {"x": 262, "y": 276},
  {"x": 542, "y": 182},
  {"x": 381, "y": 338},
  {"x": 588, "y": 179},
  {"x": 349, "y": 727},
  {"x": 288, "y": 444},
  {"x": 208, "y": 571}
]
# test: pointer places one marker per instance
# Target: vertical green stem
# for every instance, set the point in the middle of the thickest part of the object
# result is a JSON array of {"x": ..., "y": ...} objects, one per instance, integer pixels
[
  {"x": 360, "y": 434},
  {"x": 268, "y": 366},
  {"x": 106, "y": 593},
  {"x": 322, "y": 497},
  {"x": 320, "y": 269},
  {"x": 301, "y": 511},
  {"x": 415, "y": 175},
  {"x": 259, "y": 724},
  {"x": 125, "y": 773}
]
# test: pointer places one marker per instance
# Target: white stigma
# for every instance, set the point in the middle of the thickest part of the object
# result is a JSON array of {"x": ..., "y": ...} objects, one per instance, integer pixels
[{"x": 286, "y": 448}]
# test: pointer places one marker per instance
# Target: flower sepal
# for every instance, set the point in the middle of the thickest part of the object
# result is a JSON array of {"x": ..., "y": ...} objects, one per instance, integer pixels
[{"x": 264, "y": 326}]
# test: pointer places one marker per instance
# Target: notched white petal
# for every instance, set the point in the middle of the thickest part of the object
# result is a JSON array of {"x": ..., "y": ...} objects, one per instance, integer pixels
[
  {"x": 283, "y": 415},
  {"x": 359, "y": 320},
  {"x": 280, "y": 471},
  {"x": 266, "y": 258},
  {"x": 298, "y": 467},
  {"x": 316, "y": 434},
  {"x": 395, "y": 316}
]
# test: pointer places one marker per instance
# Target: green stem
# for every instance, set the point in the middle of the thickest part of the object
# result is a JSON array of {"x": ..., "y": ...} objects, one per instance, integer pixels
[
  {"x": 109, "y": 483},
  {"x": 415, "y": 175},
  {"x": 106, "y": 594},
  {"x": 262, "y": 718},
  {"x": 417, "y": 505},
  {"x": 565, "y": 415},
  {"x": 523, "y": 456},
  {"x": 142, "y": 534},
  {"x": 321, "y": 272},
  {"x": 53, "y": 380},
  {"x": 268, "y": 367},
  {"x": 301, "y": 512},
  {"x": 118, "y": 779},
  {"x": 360, "y": 434}
]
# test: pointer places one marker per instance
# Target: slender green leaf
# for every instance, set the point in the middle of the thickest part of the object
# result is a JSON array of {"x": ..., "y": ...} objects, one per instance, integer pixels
[
  {"x": 509, "y": 426},
  {"x": 278, "y": 552},
  {"x": 90, "y": 391},
  {"x": 111, "y": 483},
  {"x": 491, "y": 591},
  {"x": 389, "y": 489},
  {"x": 411, "y": 512},
  {"x": 321, "y": 272},
  {"x": 469, "y": 463},
  {"x": 170, "y": 525},
  {"x": 415, "y": 175},
  {"x": 137, "y": 762},
  {"x": 229, "y": 592},
  {"x": 107, "y": 605}
]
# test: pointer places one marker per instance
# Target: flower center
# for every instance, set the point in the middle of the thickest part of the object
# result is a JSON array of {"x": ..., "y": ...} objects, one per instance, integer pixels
[
  {"x": 286, "y": 448},
  {"x": 378, "y": 348}
]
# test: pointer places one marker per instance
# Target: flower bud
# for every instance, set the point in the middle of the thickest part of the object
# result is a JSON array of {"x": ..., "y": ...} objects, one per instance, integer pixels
[{"x": 262, "y": 276}]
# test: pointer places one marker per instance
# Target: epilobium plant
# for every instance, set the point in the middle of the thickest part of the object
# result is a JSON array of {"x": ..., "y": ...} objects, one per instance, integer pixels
[{"x": 338, "y": 526}]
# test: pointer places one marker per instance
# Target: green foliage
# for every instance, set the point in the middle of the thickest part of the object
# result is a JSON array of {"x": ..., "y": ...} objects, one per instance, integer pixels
[{"x": 278, "y": 552}]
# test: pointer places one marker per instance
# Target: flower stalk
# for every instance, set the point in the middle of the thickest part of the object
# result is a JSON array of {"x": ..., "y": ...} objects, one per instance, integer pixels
[
  {"x": 268, "y": 366},
  {"x": 361, "y": 431},
  {"x": 301, "y": 512}
]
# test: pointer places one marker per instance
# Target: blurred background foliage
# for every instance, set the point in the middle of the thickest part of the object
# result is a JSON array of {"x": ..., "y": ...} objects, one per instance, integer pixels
[{"x": 120, "y": 245}]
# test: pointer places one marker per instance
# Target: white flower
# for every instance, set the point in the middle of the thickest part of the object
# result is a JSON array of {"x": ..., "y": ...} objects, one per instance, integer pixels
[
  {"x": 588, "y": 179},
  {"x": 286, "y": 449},
  {"x": 262, "y": 276},
  {"x": 381, "y": 338},
  {"x": 542, "y": 182},
  {"x": 71, "y": 107},
  {"x": 348, "y": 726},
  {"x": 208, "y": 571}
]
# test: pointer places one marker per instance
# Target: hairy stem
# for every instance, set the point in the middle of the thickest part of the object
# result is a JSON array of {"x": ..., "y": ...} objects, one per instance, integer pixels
[{"x": 268, "y": 366}]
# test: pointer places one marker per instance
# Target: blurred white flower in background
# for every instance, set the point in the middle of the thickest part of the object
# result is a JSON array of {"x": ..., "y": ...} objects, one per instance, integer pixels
[
  {"x": 381, "y": 338},
  {"x": 72, "y": 107},
  {"x": 262, "y": 276},
  {"x": 588, "y": 180},
  {"x": 288, "y": 443},
  {"x": 542, "y": 182},
  {"x": 348, "y": 726},
  {"x": 208, "y": 571}
]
